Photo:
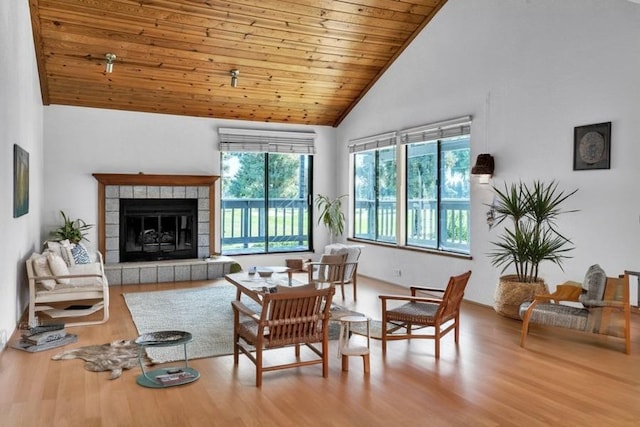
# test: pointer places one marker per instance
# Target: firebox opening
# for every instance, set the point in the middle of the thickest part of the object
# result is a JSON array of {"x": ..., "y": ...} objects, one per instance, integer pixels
[{"x": 158, "y": 229}]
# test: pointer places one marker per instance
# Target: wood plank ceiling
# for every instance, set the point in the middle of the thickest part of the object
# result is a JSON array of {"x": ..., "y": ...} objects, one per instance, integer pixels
[{"x": 299, "y": 61}]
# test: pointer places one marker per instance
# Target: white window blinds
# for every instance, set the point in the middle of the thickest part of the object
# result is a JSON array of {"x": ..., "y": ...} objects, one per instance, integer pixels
[
  {"x": 373, "y": 142},
  {"x": 266, "y": 141},
  {"x": 445, "y": 129}
]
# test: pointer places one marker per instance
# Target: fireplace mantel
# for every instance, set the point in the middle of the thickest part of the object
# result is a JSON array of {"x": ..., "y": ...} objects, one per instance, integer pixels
[
  {"x": 107, "y": 179},
  {"x": 144, "y": 179}
]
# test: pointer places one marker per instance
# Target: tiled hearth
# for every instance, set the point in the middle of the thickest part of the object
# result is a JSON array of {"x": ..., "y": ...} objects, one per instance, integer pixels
[
  {"x": 113, "y": 187},
  {"x": 133, "y": 273}
]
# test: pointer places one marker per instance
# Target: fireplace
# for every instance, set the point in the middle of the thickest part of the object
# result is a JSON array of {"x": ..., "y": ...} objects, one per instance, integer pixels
[
  {"x": 158, "y": 229},
  {"x": 113, "y": 187}
]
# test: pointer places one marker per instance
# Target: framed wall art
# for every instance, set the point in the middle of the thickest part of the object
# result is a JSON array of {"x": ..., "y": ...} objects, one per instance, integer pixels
[
  {"x": 20, "y": 181},
  {"x": 592, "y": 147}
]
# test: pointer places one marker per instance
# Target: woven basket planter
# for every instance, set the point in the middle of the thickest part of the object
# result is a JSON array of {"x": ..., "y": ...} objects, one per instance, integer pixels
[{"x": 510, "y": 294}]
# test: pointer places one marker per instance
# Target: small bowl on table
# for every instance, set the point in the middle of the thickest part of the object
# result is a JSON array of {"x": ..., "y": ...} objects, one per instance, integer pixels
[{"x": 265, "y": 273}]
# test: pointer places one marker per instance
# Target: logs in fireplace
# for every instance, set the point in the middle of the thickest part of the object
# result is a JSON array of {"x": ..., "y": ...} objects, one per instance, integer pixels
[{"x": 158, "y": 229}]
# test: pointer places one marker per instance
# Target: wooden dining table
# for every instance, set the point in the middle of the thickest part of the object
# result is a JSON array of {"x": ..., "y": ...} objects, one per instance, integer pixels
[{"x": 254, "y": 286}]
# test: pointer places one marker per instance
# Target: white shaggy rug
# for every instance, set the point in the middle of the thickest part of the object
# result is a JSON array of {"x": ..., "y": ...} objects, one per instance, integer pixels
[{"x": 204, "y": 312}]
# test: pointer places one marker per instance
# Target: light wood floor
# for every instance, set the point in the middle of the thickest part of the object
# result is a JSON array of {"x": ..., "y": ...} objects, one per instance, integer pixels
[{"x": 563, "y": 378}]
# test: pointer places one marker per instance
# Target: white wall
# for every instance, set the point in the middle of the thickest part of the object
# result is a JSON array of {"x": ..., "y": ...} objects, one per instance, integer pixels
[
  {"x": 528, "y": 72},
  {"x": 83, "y": 141},
  {"x": 20, "y": 123}
]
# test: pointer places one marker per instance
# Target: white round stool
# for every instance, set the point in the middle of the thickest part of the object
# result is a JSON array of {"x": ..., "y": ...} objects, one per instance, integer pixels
[{"x": 345, "y": 350}]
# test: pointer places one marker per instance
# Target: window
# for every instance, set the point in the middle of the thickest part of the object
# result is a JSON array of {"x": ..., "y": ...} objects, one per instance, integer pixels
[
  {"x": 375, "y": 215},
  {"x": 375, "y": 201},
  {"x": 438, "y": 194},
  {"x": 433, "y": 211},
  {"x": 266, "y": 183}
]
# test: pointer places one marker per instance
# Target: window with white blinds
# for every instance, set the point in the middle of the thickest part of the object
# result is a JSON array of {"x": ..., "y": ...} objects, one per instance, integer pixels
[
  {"x": 373, "y": 142},
  {"x": 374, "y": 192},
  {"x": 411, "y": 188},
  {"x": 439, "y": 130},
  {"x": 266, "y": 141},
  {"x": 266, "y": 186}
]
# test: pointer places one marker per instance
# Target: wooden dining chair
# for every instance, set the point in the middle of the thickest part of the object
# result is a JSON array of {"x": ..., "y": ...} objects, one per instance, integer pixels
[
  {"x": 330, "y": 271},
  {"x": 289, "y": 317},
  {"x": 440, "y": 313},
  {"x": 351, "y": 263}
]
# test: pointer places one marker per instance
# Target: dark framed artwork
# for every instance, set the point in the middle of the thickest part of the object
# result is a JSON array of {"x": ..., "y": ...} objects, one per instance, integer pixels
[
  {"x": 20, "y": 181},
  {"x": 592, "y": 147}
]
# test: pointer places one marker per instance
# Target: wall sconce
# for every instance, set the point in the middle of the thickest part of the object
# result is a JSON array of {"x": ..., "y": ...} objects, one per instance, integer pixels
[
  {"x": 111, "y": 57},
  {"x": 484, "y": 168},
  {"x": 234, "y": 77}
]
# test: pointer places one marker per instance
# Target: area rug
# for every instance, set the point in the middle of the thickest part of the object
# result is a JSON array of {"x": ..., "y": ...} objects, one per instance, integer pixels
[
  {"x": 204, "y": 312},
  {"x": 375, "y": 329}
]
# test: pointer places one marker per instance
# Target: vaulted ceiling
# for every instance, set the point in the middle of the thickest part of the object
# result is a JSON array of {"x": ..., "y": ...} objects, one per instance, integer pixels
[{"x": 298, "y": 61}]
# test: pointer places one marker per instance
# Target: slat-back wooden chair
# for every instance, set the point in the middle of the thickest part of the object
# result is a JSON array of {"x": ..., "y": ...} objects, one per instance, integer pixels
[
  {"x": 290, "y": 316},
  {"x": 442, "y": 314},
  {"x": 330, "y": 271},
  {"x": 351, "y": 263}
]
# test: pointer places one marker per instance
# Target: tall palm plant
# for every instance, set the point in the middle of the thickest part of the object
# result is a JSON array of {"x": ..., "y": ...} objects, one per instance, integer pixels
[{"x": 533, "y": 236}]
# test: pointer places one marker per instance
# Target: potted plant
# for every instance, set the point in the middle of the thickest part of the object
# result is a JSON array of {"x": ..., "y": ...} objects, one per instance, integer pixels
[
  {"x": 331, "y": 215},
  {"x": 72, "y": 229},
  {"x": 530, "y": 237}
]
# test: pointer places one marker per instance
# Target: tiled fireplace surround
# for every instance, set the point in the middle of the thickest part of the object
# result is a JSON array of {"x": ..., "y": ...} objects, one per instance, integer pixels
[{"x": 113, "y": 187}]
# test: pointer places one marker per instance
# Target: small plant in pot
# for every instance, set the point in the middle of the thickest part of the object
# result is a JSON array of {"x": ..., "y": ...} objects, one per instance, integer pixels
[
  {"x": 530, "y": 237},
  {"x": 72, "y": 229},
  {"x": 331, "y": 215}
]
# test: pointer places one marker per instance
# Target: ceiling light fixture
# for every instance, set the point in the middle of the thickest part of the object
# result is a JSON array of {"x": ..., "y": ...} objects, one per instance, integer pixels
[
  {"x": 111, "y": 57},
  {"x": 234, "y": 77}
]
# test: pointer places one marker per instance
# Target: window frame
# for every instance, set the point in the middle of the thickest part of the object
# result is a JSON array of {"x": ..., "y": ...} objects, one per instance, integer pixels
[
  {"x": 268, "y": 143},
  {"x": 375, "y": 144},
  {"x": 441, "y": 223},
  {"x": 376, "y": 225},
  {"x": 438, "y": 133}
]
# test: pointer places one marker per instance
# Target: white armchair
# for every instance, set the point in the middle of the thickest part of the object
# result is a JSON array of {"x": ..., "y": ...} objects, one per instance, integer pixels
[{"x": 53, "y": 283}]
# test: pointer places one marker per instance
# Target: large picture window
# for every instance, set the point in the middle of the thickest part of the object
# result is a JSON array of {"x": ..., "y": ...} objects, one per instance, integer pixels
[
  {"x": 438, "y": 194},
  {"x": 265, "y": 204},
  {"x": 434, "y": 165},
  {"x": 375, "y": 198}
]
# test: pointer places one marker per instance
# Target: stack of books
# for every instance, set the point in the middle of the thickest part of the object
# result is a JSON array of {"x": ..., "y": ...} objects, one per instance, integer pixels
[
  {"x": 173, "y": 377},
  {"x": 44, "y": 337}
]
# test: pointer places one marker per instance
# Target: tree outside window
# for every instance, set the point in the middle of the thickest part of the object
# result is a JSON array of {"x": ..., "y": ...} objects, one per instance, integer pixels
[{"x": 265, "y": 202}]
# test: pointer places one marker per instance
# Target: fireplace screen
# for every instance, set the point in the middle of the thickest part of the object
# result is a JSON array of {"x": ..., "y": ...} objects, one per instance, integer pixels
[{"x": 158, "y": 229}]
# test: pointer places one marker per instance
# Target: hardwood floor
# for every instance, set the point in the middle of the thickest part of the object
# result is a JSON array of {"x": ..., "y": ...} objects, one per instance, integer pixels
[{"x": 562, "y": 378}]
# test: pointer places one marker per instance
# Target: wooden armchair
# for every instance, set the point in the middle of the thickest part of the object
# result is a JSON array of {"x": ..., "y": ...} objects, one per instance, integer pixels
[
  {"x": 351, "y": 263},
  {"x": 605, "y": 307},
  {"x": 331, "y": 270},
  {"x": 442, "y": 314},
  {"x": 290, "y": 316}
]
